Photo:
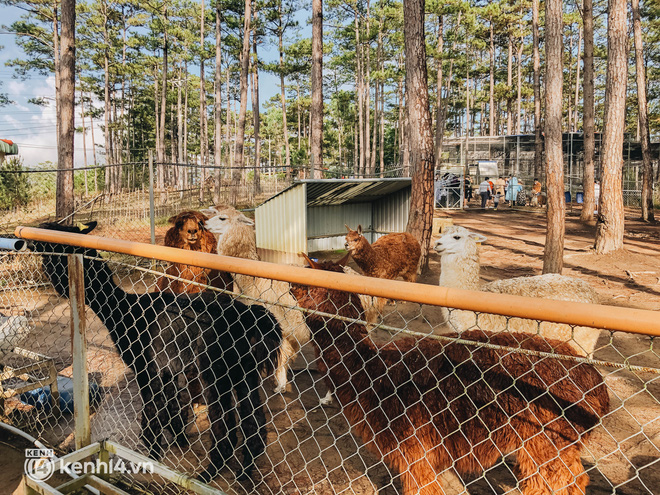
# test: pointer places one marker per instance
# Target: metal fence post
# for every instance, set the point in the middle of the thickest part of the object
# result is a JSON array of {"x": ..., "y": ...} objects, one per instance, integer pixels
[
  {"x": 152, "y": 212},
  {"x": 79, "y": 350}
]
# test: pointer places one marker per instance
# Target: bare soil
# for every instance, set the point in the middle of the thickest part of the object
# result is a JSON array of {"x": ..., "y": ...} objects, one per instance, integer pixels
[{"x": 310, "y": 447}]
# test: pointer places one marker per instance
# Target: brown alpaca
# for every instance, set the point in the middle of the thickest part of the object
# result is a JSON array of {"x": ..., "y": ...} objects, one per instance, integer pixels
[
  {"x": 391, "y": 256},
  {"x": 425, "y": 406},
  {"x": 188, "y": 232}
]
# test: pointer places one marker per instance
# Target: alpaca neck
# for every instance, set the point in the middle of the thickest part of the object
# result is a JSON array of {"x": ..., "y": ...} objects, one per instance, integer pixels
[
  {"x": 115, "y": 308},
  {"x": 460, "y": 272},
  {"x": 365, "y": 257},
  {"x": 345, "y": 350}
]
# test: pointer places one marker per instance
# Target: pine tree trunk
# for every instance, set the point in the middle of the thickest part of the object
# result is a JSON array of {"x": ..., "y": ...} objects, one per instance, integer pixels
[
  {"x": 106, "y": 94},
  {"x": 519, "y": 88},
  {"x": 163, "y": 98},
  {"x": 84, "y": 139},
  {"x": 255, "y": 113},
  {"x": 67, "y": 67},
  {"x": 217, "y": 115},
  {"x": 422, "y": 159},
  {"x": 509, "y": 87},
  {"x": 203, "y": 147},
  {"x": 491, "y": 91},
  {"x": 285, "y": 129},
  {"x": 439, "y": 120},
  {"x": 359, "y": 83},
  {"x": 538, "y": 143},
  {"x": 367, "y": 96},
  {"x": 316, "y": 117},
  {"x": 609, "y": 229},
  {"x": 185, "y": 120},
  {"x": 647, "y": 166},
  {"x": 577, "y": 83},
  {"x": 588, "y": 125},
  {"x": 240, "y": 133},
  {"x": 553, "y": 257}
]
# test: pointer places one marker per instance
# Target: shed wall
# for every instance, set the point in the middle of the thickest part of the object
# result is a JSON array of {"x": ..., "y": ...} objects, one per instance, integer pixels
[
  {"x": 327, "y": 224},
  {"x": 390, "y": 214},
  {"x": 282, "y": 226}
]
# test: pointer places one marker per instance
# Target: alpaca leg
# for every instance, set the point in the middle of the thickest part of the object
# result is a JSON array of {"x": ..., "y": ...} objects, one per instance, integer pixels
[
  {"x": 327, "y": 400},
  {"x": 152, "y": 421},
  {"x": 542, "y": 470},
  {"x": 410, "y": 275},
  {"x": 252, "y": 423},
  {"x": 178, "y": 407},
  {"x": 219, "y": 399},
  {"x": 420, "y": 478},
  {"x": 287, "y": 354}
]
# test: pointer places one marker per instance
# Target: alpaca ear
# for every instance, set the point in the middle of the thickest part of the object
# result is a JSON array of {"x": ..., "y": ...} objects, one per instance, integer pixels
[
  {"x": 209, "y": 212},
  {"x": 245, "y": 220},
  {"x": 359, "y": 230},
  {"x": 344, "y": 261},
  {"x": 313, "y": 264},
  {"x": 478, "y": 238},
  {"x": 172, "y": 219},
  {"x": 86, "y": 228},
  {"x": 347, "y": 228}
]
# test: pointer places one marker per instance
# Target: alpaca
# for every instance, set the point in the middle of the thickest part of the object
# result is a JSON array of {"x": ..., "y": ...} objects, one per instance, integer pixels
[
  {"x": 426, "y": 406},
  {"x": 391, "y": 256},
  {"x": 459, "y": 251},
  {"x": 188, "y": 232},
  {"x": 236, "y": 237},
  {"x": 181, "y": 347},
  {"x": 369, "y": 303}
]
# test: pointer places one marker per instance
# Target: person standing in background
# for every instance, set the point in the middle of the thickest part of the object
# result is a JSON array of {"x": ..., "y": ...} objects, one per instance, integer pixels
[{"x": 485, "y": 192}]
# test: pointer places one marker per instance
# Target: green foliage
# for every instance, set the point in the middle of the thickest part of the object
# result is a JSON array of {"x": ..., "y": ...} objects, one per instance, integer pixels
[{"x": 14, "y": 184}]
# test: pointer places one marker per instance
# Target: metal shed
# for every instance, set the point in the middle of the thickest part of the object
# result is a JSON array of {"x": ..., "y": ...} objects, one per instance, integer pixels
[{"x": 310, "y": 215}]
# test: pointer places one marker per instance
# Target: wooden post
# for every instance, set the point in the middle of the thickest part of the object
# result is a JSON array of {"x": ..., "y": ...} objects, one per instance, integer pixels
[
  {"x": 152, "y": 203},
  {"x": 79, "y": 350}
]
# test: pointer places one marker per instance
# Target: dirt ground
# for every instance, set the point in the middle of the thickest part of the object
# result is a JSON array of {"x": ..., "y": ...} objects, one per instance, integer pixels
[{"x": 310, "y": 447}]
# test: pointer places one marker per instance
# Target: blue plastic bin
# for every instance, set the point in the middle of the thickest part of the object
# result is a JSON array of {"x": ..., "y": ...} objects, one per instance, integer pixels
[
  {"x": 579, "y": 197},
  {"x": 567, "y": 195},
  {"x": 40, "y": 398}
]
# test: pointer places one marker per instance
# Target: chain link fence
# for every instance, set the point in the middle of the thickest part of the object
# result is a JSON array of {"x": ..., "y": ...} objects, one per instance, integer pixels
[{"x": 189, "y": 379}]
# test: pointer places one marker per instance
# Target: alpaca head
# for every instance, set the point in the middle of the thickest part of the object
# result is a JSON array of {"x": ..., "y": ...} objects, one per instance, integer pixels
[
  {"x": 354, "y": 238},
  {"x": 221, "y": 219},
  {"x": 55, "y": 265},
  {"x": 460, "y": 242},
  {"x": 188, "y": 227}
]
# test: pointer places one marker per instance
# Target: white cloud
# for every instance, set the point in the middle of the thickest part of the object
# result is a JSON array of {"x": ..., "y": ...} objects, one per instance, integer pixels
[{"x": 33, "y": 128}]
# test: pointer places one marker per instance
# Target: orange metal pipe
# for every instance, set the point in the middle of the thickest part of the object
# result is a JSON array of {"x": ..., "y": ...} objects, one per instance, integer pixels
[{"x": 591, "y": 315}]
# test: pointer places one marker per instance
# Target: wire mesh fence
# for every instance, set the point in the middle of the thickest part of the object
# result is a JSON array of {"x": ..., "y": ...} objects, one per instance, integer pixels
[{"x": 190, "y": 379}]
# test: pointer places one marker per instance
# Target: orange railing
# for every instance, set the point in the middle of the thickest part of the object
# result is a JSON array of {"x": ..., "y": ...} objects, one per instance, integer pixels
[{"x": 573, "y": 313}]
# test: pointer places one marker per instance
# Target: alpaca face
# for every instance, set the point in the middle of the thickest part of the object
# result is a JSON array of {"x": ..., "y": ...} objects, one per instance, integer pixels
[
  {"x": 458, "y": 241},
  {"x": 353, "y": 239},
  {"x": 223, "y": 219},
  {"x": 190, "y": 230},
  {"x": 189, "y": 227}
]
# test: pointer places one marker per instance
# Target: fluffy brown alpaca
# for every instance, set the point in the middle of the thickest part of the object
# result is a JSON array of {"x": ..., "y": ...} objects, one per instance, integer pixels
[
  {"x": 391, "y": 256},
  {"x": 425, "y": 406},
  {"x": 188, "y": 232}
]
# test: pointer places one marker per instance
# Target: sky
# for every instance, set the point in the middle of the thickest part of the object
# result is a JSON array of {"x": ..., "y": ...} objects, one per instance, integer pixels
[{"x": 33, "y": 128}]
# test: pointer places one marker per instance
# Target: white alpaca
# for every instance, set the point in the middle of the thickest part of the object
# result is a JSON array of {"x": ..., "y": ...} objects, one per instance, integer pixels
[
  {"x": 236, "y": 237},
  {"x": 459, "y": 251}
]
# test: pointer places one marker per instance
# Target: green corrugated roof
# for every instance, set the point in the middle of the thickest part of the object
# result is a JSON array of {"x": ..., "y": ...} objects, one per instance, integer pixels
[{"x": 8, "y": 149}]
